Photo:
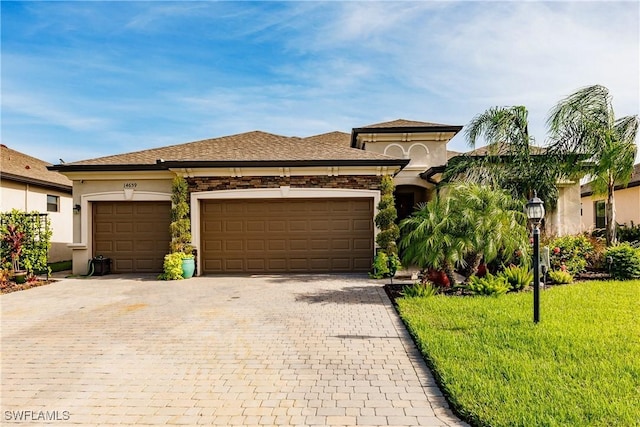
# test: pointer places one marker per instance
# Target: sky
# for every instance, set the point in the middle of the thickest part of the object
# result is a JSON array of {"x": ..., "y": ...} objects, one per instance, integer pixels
[{"x": 81, "y": 80}]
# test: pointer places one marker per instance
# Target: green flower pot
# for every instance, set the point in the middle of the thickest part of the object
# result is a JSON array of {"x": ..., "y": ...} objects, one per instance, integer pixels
[{"x": 188, "y": 267}]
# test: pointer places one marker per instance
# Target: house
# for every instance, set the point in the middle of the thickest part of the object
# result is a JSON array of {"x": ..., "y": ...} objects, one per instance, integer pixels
[
  {"x": 627, "y": 203},
  {"x": 27, "y": 185},
  {"x": 260, "y": 203}
]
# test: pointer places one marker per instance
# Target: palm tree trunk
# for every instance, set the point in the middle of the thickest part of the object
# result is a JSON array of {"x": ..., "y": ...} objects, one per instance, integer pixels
[
  {"x": 448, "y": 270},
  {"x": 475, "y": 263},
  {"x": 611, "y": 216}
]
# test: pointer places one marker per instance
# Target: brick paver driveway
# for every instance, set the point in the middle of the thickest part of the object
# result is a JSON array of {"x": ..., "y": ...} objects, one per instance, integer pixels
[{"x": 268, "y": 350}]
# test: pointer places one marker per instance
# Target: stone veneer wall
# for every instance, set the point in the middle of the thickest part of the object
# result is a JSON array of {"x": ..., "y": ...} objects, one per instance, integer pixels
[{"x": 359, "y": 182}]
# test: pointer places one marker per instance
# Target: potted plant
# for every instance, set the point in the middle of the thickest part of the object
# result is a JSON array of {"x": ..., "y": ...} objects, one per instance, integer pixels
[{"x": 15, "y": 239}]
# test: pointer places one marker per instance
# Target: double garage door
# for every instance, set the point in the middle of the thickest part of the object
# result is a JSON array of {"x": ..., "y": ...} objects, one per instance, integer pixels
[
  {"x": 243, "y": 236},
  {"x": 286, "y": 235}
]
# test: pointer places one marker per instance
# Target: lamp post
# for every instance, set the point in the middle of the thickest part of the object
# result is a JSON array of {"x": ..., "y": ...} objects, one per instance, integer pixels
[{"x": 535, "y": 212}]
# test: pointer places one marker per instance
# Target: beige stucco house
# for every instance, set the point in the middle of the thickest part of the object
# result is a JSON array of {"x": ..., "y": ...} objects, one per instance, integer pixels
[
  {"x": 626, "y": 199},
  {"x": 27, "y": 185},
  {"x": 260, "y": 203}
]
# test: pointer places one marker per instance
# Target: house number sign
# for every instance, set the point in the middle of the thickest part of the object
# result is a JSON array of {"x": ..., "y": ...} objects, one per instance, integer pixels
[{"x": 130, "y": 185}]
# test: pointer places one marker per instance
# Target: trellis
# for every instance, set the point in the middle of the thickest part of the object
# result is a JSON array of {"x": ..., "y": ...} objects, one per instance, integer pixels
[{"x": 37, "y": 229}]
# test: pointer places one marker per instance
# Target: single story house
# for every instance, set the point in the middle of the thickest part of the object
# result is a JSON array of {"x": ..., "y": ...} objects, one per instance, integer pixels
[
  {"x": 626, "y": 199},
  {"x": 260, "y": 203},
  {"x": 27, "y": 185}
]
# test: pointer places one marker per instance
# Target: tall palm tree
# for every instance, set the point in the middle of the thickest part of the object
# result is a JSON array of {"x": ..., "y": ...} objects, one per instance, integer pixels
[
  {"x": 511, "y": 161},
  {"x": 584, "y": 122}
]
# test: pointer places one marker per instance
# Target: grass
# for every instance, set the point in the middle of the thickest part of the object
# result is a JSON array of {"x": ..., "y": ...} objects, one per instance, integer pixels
[{"x": 580, "y": 366}]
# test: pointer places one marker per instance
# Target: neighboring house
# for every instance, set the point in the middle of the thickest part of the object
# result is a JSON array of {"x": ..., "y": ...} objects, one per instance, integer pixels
[
  {"x": 260, "y": 203},
  {"x": 626, "y": 199},
  {"x": 27, "y": 185}
]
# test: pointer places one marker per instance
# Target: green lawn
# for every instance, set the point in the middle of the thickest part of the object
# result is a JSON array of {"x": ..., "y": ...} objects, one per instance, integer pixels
[{"x": 580, "y": 366}]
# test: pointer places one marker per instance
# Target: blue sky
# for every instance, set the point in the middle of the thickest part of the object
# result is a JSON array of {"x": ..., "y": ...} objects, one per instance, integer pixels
[{"x": 87, "y": 79}]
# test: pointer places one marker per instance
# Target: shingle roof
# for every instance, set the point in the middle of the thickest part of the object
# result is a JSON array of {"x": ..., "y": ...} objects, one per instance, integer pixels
[
  {"x": 253, "y": 146},
  {"x": 586, "y": 190},
  {"x": 500, "y": 150},
  {"x": 402, "y": 123},
  {"x": 17, "y": 166}
]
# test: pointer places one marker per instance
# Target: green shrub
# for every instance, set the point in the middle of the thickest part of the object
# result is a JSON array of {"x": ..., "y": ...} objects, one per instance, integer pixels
[
  {"x": 517, "y": 277},
  {"x": 385, "y": 265},
  {"x": 629, "y": 233},
  {"x": 420, "y": 290},
  {"x": 488, "y": 285},
  {"x": 560, "y": 277},
  {"x": 172, "y": 266},
  {"x": 624, "y": 261},
  {"x": 572, "y": 251}
]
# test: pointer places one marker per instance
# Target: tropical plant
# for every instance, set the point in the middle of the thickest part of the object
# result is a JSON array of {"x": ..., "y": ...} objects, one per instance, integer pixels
[
  {"x": 570, "y": 252},
  {"x": 461, "y": 226},
  {"x": 624, "y": 261},
  {"x": 510, "y": 161},
  {"x": 14, "y": 238},
  {"x": 36, "y": 239},
  {"x": 560, "y": 277},
  {"x": 172, "y": 266},
  {"x": 629, "y": 233},
  {"x": 585, "y": 123},
  {"x": 433, "y": 239},
  {"x": 420, "y": 290},
  {"x": 488, "y": 285},
  {"x": 518, "y": 277}
]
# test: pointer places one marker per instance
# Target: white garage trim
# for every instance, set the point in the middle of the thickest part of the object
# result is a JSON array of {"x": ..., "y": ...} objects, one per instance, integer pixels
[{"x": 273, "y": 193}]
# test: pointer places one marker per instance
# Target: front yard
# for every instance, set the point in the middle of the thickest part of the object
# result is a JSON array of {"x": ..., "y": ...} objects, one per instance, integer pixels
[{"x": 580, "y": 366}]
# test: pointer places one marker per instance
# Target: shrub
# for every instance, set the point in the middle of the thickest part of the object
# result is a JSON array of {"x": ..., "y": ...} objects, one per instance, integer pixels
[
  {"x": 420, "y": 290},
  {"x": 517, "y": 277},
  {"x": 595, "y": 258},
  {"x": 172, "y": 266},
  {"x": 385, "y": 265},
  {"x": 560, "y": 277},
  {"x": 489, "y": 285},
  {"x": 629, "y": 233},
  {"x": 572, "y": 251},
  {"x": 624, "y": 261}
]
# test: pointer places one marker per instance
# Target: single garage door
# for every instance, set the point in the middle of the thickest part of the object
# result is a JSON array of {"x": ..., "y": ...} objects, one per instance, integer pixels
[
  {"x": 135, "y": 235},
  {"x": 287, "y": 235}
]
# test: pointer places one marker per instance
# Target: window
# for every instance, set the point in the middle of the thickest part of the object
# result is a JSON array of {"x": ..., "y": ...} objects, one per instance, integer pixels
[
  {"x": 600, "y": 214},
  {"x": 53, "y": 203}
]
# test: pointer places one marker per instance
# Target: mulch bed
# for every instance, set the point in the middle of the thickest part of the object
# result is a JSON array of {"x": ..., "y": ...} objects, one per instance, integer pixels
[{"x": 8, "y": 287}]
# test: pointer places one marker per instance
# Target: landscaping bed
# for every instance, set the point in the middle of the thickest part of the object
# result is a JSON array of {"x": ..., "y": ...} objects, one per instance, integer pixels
[{"x": 8, "y": 287}]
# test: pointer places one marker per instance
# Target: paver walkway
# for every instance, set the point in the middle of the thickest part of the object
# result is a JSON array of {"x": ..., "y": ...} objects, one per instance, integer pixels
[{"x": 269, "y": 350}]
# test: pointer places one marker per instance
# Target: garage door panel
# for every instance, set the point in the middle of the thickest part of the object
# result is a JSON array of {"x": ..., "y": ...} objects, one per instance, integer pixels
[
  {"x": 135, "y": 235},
  {"x": 286, "y": 235}
]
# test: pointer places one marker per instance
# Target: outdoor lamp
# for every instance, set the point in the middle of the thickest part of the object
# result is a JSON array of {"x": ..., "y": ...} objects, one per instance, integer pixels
[{"x": 535, "y": 210}]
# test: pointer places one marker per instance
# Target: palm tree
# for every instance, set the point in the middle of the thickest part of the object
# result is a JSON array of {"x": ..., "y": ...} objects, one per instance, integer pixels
[
  {"x": 493, "y": 219},
  {"x": 464, "y": 225},
  {"x": 432, "y": 238},
  {"x": 585, "y": 123},
  {"x": 511, "y": 161}
]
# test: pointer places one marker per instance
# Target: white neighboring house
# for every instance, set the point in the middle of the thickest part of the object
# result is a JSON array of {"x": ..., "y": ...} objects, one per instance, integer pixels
[{"x": 27, "y": 185}]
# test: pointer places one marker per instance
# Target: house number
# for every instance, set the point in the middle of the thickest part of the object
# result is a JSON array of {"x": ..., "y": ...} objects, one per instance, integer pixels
[{"x": 130, "y": 184}]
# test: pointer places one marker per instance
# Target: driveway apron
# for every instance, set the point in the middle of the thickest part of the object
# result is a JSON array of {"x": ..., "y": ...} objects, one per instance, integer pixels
[{"x": 261, "y": 350}]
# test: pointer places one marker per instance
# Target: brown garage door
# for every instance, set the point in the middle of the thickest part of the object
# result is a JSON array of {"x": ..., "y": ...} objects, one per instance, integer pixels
[
  {"x": 276, "y": 236},
  {"x": 135, "y": 235}
]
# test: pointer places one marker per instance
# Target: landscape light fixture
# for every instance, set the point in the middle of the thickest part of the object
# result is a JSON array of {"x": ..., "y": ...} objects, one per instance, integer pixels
[{"x": 535, "y": 213}]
